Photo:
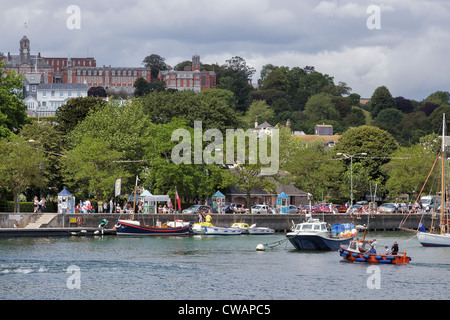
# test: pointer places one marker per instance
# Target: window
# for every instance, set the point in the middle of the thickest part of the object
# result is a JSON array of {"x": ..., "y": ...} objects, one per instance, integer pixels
[
  {"x": 61, "y": 93},
  {"x": 69, "y": 93},
  {"x": 53, "y": 93}
]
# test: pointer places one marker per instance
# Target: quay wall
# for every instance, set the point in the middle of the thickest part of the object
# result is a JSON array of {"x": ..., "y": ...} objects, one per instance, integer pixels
[{"x": 279, "y": 222}]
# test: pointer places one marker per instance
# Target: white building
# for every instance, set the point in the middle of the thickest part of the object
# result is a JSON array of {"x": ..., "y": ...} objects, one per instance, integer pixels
[{"x": 49, "y": 97}]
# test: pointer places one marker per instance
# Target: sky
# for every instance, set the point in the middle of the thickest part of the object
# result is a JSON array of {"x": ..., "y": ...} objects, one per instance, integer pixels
[{"x": 401, "y": 44}]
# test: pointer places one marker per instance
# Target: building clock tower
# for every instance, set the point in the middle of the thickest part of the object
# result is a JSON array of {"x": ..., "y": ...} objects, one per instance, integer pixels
[{"x": 25, "y": 51}]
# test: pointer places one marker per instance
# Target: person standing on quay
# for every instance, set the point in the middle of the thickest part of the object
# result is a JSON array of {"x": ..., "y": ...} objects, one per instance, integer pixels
[
  {"x": 111, "y": 205},
  {"x": 42, "y": 205}
]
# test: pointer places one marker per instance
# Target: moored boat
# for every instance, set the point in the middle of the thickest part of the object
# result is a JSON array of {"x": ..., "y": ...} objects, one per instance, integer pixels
[
  {"x": 253, "y": 229},
  {"x": 442, "y": 237},
  {"x": 428, "y": 239},
  {"x": 359, "y": 250},
  {"x": 207, "y": 228},
  {"x": 224, "y": 231},
  {"x": 316, "y": 235},
  {"x": 134, "y": 228}
]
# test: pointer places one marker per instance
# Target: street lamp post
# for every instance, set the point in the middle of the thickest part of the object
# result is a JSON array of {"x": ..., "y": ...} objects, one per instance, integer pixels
[{"x": 351, "y": 171}]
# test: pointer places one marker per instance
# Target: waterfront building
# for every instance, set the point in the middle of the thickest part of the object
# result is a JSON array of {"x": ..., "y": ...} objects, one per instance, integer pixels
[
  {"x": 191, "y": 78},
  {"x": 260, "y": 196}
]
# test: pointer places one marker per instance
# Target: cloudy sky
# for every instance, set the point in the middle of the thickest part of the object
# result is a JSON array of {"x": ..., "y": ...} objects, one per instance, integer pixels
[{"x": 407, "y": 51}]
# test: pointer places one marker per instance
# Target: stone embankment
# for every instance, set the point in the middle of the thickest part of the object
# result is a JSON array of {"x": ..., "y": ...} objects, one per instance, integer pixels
[{"x": 27, "y": 222}]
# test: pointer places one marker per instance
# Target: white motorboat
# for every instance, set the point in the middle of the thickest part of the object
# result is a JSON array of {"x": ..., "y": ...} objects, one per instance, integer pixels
[
  {"x": 206, "y": 228},
  {"x": 315, "y": 235},
  {"x": 253, "y": 229}
]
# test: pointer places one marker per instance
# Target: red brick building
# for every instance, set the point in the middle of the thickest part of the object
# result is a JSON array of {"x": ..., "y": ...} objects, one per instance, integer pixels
[
  {"x": 74, "y": 70},
  {"x": 189, "y": 79}
]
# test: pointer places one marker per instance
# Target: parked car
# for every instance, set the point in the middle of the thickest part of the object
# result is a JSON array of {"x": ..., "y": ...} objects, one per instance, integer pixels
[
  {"x": 306, "y": 209},
  {"x": 355, "y": 208},
  {"x": 293, "y": 209},
  {"x": 387, "y": 207},
  {"x": 197, "y": 208},
  {"x": 260, "y": 208}
]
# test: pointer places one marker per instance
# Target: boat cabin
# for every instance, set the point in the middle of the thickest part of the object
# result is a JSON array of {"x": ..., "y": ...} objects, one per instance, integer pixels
[
  {"x": 313, "y": 225},
  {"x": 361, "y": 245}
]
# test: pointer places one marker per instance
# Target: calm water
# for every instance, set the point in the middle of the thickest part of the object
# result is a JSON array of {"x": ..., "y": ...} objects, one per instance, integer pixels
[{"x": 211, "y": 267}]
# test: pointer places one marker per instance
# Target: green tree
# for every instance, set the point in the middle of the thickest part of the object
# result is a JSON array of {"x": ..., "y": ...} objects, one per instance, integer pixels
[
  {"x": 213, "y": 110},
  {"x": 378, "y": 144},
  {"x": 409, "y": 169},
  {"x": 162, "y": 175},
  {"x": 381, "y": 99},
  {"x": 436, "y": 118},
  {"x": 439, "y": 97},
  {"x": 235, "y": 76},
  {"x": 225, "y": 95},
  {"x": 156, "y": 63},
  {"x": 276, "y": 79},
  {"x": 413, "y": 126},
  {"x": 388, "y": 119},
  {"x": 124, "y": 128},
  {"x": 19, "y": 166},
  {"x": 12, "y": 108},
  {"x": 355, "y": 118},
  {"x": 50, "y": 141},
  {"x": 75, "y": 110},
  {"x": 265, "y": 70},
  {"x": 314, "y": 171},
  {"x": 141, "y": 87},
  {"x": 259, "y": 111},
  {"x": 93, "y": 165},
  {"x": 320, "y": 107}
]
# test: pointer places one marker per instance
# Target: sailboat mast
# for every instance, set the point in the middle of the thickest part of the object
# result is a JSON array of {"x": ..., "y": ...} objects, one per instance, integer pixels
[
  {"x": 442, "y": 173},
  {"x": 134, "y": 200}
]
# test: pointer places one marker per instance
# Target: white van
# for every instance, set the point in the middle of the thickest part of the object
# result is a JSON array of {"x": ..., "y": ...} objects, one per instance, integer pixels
[{"x": 430, "y": 202}]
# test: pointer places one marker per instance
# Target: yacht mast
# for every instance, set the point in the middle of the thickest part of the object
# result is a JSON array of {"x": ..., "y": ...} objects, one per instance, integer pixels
[{"x": 443, "y": 202}]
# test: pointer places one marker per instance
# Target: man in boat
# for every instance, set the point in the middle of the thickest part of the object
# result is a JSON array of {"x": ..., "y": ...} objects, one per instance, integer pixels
[{"x": 395, "y": 248}]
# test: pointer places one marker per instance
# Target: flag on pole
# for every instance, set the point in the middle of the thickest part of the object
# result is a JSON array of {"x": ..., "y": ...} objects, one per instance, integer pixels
[
  {"x": 117, "y": 187},
  {"x": 178, "y": 199}
]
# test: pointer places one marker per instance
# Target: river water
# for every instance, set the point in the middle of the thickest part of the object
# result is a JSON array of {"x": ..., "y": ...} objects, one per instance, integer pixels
[{"x": 211, "y": 267}]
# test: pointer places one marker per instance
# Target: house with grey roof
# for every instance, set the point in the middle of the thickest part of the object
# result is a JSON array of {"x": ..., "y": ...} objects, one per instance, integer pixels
[
  {"x": 51, "y": 96},
  {"x": 259, "y": 196}
]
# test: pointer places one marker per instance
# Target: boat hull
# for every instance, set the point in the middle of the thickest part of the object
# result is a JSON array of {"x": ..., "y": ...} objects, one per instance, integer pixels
[
  {"x": 208, "y": 230},
  {"x": 317, "y": 242},
  {"x": 373, "y": 257},
  {"x": 433, "y": 239},
  {"x": 130, "y": 229},
  {"x": 260, "y": 231}
]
